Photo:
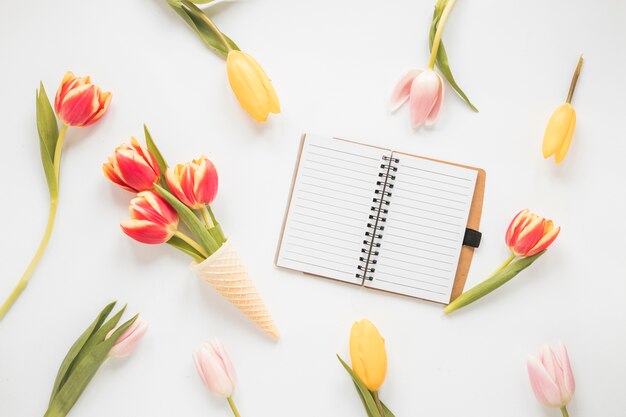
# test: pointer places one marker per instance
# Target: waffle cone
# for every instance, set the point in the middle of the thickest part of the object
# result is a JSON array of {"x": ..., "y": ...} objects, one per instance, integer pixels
[{"x": 225, "y": 272}]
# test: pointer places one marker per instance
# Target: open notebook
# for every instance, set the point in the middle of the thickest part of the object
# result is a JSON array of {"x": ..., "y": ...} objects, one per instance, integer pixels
[{"x": 382, "y": 219}]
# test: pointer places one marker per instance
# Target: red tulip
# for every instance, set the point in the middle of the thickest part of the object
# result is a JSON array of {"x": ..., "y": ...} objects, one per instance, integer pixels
[
  {"x": 529, "y": 234},
  {"x": 79, "y": 102},
  {"x": 152, "y": 221},
  {"x": 132, "y": 167},
  {"x": 193, "y": 183}
]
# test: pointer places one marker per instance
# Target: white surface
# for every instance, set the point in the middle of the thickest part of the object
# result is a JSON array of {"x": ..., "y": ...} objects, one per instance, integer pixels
[{"x": 334, "y": 65}]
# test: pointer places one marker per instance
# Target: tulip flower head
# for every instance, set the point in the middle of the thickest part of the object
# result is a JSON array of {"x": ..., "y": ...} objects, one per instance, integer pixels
[
  {"x": 128, "y": 341},
  {"x": 215, "y": 369},
  {"x": 132, "y": 167},
  {"x": 560, "y": 130},
  {"x": 551, "y": 377},
  {"x": 78, "y": 102},
  {"x": 368, "y": 354},
  {"x": 424, "y": 89},
  {"x": 193, "y": 183},
  {"x": 528, "y": 234},
  {"x": 251, "y": 86},
  {"x": 153, "y": 220}
]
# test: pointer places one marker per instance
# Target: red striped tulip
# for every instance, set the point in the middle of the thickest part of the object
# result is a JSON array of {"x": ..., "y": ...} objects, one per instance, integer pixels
[
  {"x": 132, "y": 167},
  {"x": 424, "y": 89},
  {"x": 193, "y": 183},
  {"x": 78, "y": 102},
  {"x": 128, "y": 341},
  {"x": 529, "y": 234},
  {"x": 215, "y": 369},
  {"x": 152, "y": 221},
  {"x": 551, "y": 377}
]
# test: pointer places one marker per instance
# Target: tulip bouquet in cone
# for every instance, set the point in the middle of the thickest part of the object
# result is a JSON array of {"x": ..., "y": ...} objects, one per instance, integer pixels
[
  {"x": 248, "y": 80},
  {"x": 528, "y": 237},
  {"x": 169, "y": 199},
  {"x": 369, "y": 366}
]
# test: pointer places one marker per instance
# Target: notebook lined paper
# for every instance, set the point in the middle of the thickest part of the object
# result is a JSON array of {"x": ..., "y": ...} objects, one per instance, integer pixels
[{"x": 377, "y": 218}]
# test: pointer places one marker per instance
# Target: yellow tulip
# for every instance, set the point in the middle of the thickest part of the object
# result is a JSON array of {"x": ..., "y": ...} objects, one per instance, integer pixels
[
  {"x": 251, "y": 86},
  {"x": 558, "y": 135},
  {"x": 368, "y": 355}
]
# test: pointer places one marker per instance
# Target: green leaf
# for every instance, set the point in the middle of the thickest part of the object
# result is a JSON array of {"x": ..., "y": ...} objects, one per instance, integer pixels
[
  {"x": 369, "y": 413},
  {"x": 48, "y": 131},
  {"x": 152, "y": 148},
  {"x": 442, "y": 56},
  {"x": 85, "y": 370},
  {"x": 203, "y": 26},
  {"x": 492, "y": 283},
  {"x": 67, "y": 365},
  {"x": 185, "y": 247},
  {"x": 191, "y": 220},
  {"x": 366, "y": 396}
]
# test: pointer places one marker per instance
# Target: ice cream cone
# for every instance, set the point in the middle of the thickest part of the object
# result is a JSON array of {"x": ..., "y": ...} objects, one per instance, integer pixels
[{"x": 226, "y": 273}]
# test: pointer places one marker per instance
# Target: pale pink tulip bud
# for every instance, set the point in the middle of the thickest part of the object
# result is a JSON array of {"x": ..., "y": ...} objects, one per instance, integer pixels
[
  {"x": 528, "y": 234},
  {"x": 78, "y": 102},
  {"x": 193, "y": 183},
  {"x": 424, "y": 89},
  {"x": 215, "y": 369},
  {"x": 129, "y": 340},
  {"x": 551, "y": 377},
  {"x": 153, "y": 220}
]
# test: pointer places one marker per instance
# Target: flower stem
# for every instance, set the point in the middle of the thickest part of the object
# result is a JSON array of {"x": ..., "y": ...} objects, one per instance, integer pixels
[
  {"x": 233, "y": 407},
  {"x": 58, "y": 150},
  {"x": 191, "y": 243},
  {"x": 437, "y": 38},
  {"x": 208, "y": 220},
  {"x": 378, "y": 403},
  {"x": 209, "y": 23},
  {"x": 564, "y": 412},
  {"x": 480, "y": 290},
  {"x": 572, "y": 85}
]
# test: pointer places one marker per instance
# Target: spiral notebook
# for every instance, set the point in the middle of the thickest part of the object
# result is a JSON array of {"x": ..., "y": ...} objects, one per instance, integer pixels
[{"x": 382, "y": 219}]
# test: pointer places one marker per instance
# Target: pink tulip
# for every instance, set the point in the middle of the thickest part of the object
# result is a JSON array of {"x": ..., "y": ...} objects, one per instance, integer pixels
[
  {"x": 153, "y": 220},
  {"x": 194, "y": 183},
  {"x": 78, "y": 102},
  {"x": 132, "y": 167},
  {"x": 215, "y": 369},
  {"x": 528, "y": 234},
  {"x": 424, "y": 90},
  {"x": 551, "y": 377},
  {"x": 128, "y": 341}
]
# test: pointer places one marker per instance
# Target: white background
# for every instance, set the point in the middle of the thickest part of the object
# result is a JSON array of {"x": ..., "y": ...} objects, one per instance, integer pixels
[{"x": 334, "y": 65}]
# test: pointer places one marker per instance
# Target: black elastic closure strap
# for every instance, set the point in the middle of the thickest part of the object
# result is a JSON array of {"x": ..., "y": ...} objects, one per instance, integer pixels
[{"x": 472, "y": 238}]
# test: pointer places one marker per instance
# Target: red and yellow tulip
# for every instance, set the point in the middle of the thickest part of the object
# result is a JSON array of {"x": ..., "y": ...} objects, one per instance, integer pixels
[
  {"x": 152, "y": 219},
  {"x": 132, "y": 167},
  {"x": 193, "y": 183},
  {"x": 78, "y": 102}
]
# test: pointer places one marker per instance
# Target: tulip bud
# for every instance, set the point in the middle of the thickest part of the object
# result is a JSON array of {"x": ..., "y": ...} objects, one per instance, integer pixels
[
  {"x": 215, "y": 369},
  {"x": 424, "y": 89},
  {"x": 132, "y": 167},
  {"x": 153, "y": 220},
  {"x": 128, "y": 341},
  {"x": 194, "y": 183},
  {"x": 551, "y": 377},
  {"x": 529, "y": 234},
  {"x": 251, "y": 86},
  {"x": 78, "y": 102},
  {"x": 368, "y": 355}
]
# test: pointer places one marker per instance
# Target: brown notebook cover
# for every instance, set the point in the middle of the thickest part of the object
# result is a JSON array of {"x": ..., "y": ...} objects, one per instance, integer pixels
[{"x": 473, "y": 221}]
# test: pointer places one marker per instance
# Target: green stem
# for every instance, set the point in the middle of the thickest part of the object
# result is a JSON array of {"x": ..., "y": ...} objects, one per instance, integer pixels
[
  {"x": 572, "y": 85},
  {"x": 564, "y": 412},
  {"x": 208, "y": 220},
  {"x": 437, "y": 38},
  {"x": 233, "y": 407},
  {"x": 491, "y": 283},
  {"x": 209, "y": 23},
  {"x": 378, "y": 403},
  {"x": 192, "y": 243},
  {"x": 58, "y": 150},
  {"x": 211, "y": 214}
]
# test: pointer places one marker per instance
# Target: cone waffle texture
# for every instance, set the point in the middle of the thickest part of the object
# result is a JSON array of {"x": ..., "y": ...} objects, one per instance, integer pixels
[{"x": 225, "y": 272}]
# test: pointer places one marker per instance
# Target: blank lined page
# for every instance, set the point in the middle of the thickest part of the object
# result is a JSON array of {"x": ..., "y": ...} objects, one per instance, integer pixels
[
  {"x": 329, "y": 208},
  {"x": 421, "y": 244}
]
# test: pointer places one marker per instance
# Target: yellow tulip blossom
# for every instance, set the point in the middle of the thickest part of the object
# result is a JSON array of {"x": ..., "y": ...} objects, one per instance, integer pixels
[
  {"x": 368, "y": 355},
  {"x": 558, "y": 135},
  {"x": 251, "y": 85}
]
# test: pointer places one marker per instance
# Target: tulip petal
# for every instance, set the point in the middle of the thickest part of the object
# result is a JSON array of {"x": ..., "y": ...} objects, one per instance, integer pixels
[
  {"x": 128, "y": 341},
  {"x": 546, "y": 391},
  {"x": 547, "y": 239},
  {"x": 514, "y": 227},
  {"x": 434, "y": 112},
  {"x": 529, "y": 235},
  {"x": 423, "y": 96},
  {"x": 78, "y": 105},
  {"x": 560, "y": 154},
  {"x": 569, "y": 384},
  {"x": 401, "y": 91},
  {"x": 145, "y": 231},
  {"x": 557, "y": 129}
]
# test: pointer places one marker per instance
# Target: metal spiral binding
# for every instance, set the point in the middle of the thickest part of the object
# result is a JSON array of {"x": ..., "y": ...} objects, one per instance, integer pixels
[{"x": 375, "y": 226}]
